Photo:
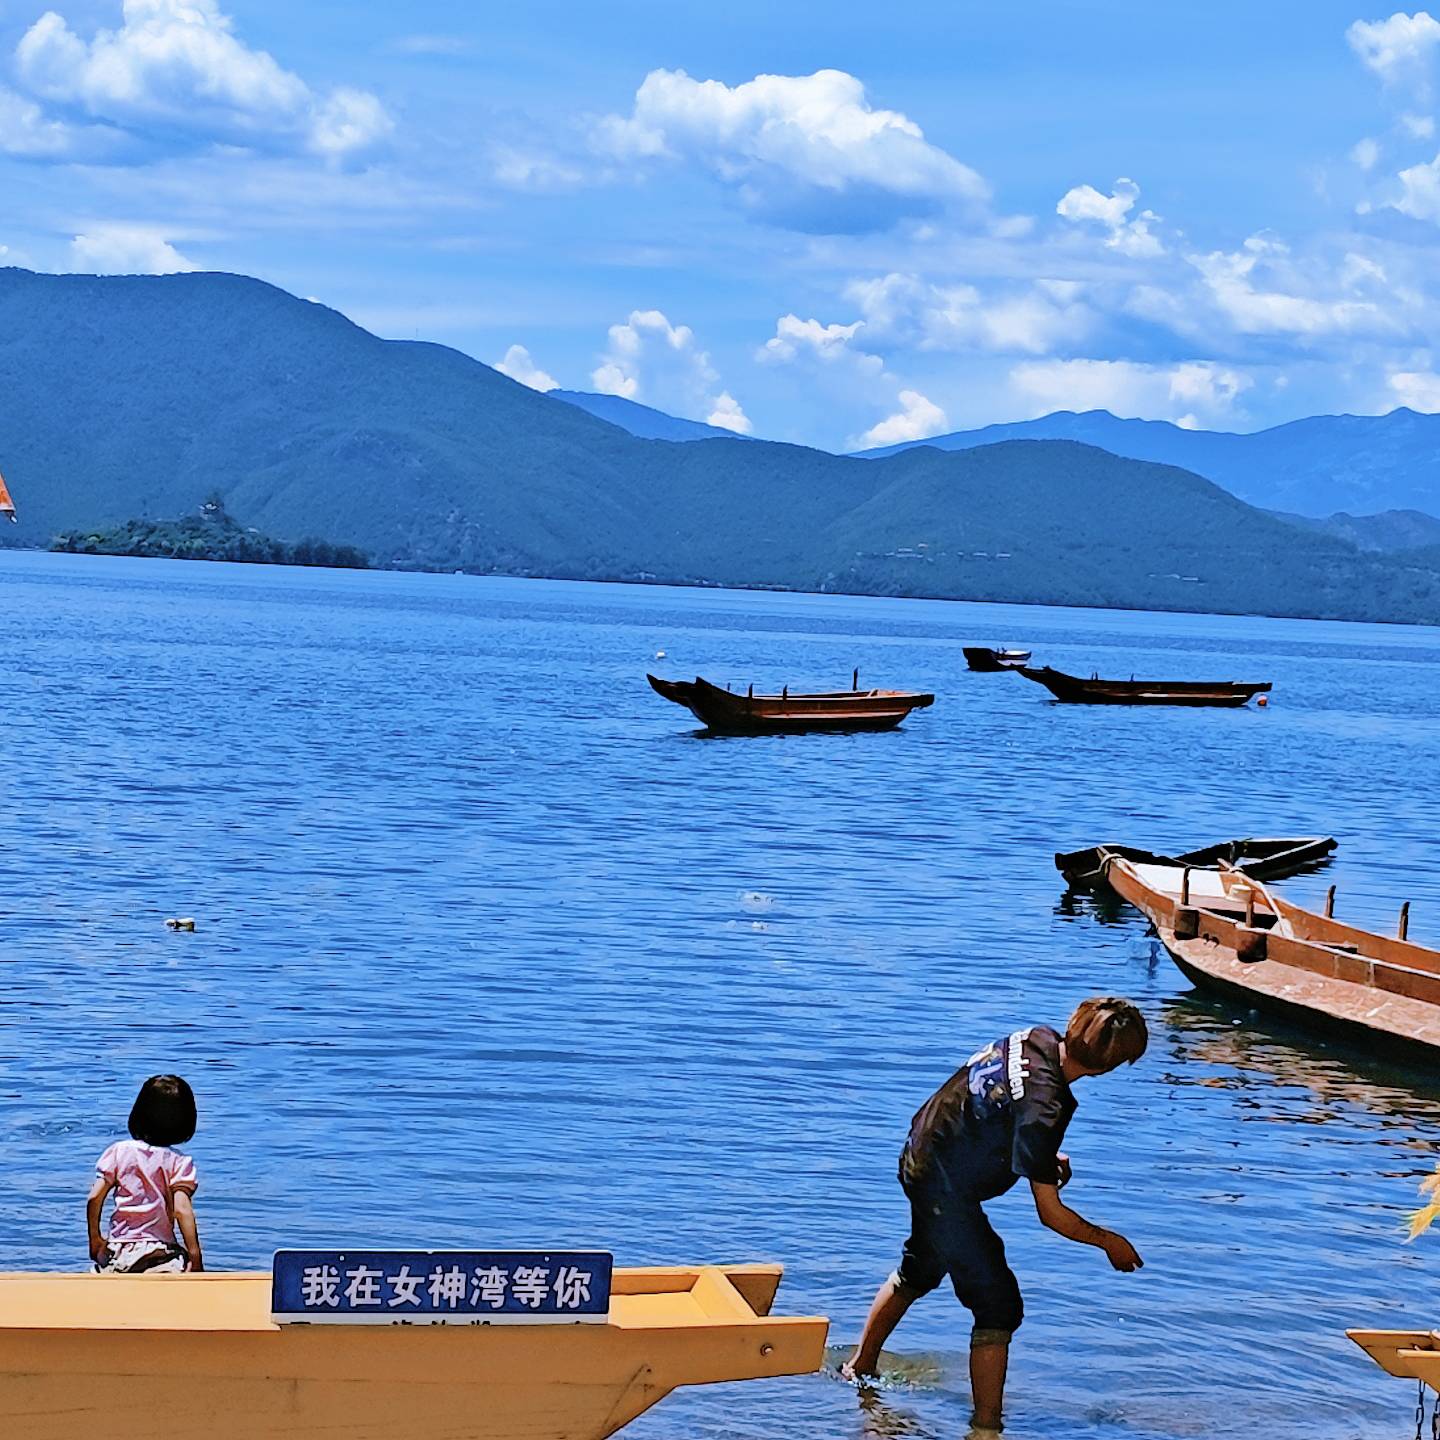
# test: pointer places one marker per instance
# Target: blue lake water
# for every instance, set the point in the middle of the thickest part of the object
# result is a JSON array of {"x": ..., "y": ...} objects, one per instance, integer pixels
[{"x": 492, "y": 950}]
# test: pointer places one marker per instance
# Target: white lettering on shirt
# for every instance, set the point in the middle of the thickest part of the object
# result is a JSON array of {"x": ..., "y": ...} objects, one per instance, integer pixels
[{"x": 1019, "y": 1067}]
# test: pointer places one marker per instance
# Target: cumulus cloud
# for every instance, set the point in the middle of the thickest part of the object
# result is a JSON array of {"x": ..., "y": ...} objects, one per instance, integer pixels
[
  {"x": 1417, "y": 389},
  {"x": 176, "y": 66},
  {"x": 907, "y": 311},
  {"x": 649, "y": 357},
  {"x": 728, "y": 415},
  {"x": 26, "y": 131},
  {"x": 518, "y": 365},
  {"x": 114, "y": 249},
  {"x": 1399, "y": 50},
  {"x": 1189, "y": 393},
  {"x": 1132, "y": 237},
  {"x": 917, "y": 419},
  {"x": 806, "y": 151},
  {"x": 1366, "y": 154},
  {"x": 830, "y": 344}
]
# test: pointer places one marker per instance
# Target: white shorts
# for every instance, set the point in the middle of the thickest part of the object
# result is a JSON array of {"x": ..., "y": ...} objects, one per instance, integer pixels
[{"x": 132, "y": 1257}]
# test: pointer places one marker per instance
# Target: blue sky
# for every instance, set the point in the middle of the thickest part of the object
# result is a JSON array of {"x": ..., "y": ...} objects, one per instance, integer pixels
[{"x": 837, "y": 224}]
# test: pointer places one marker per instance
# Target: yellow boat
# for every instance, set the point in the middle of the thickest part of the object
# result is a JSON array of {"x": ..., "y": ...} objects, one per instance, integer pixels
[
  {"x": 1406, "y": 1354},
  {"x": 201, "y": 1355}
]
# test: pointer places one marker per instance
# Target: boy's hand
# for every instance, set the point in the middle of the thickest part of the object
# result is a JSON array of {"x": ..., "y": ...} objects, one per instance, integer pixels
[
  {"x": 1067, "y": 1173},
  {"x": 1122, "y": 1254},
  {"x": 99, "y": 1250}
]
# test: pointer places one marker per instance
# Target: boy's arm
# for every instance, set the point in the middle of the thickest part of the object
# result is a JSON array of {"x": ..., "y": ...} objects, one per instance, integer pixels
[
  {"x": 94, "y": 1208},
  {"x": 1056, "y": 1215},
  {"x": 189, "y": 1231}
]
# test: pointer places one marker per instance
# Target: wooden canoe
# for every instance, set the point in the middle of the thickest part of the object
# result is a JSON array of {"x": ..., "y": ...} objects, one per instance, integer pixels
[
  {"x": 1258, "y": 857},
  {"x": 728, "y": 713},
  {"x": 1231, "y": 934},
  {"x": 82, "y": 1355},
  {"x": 980, "y": 658},
  {"x": 1073, "y": 690}
]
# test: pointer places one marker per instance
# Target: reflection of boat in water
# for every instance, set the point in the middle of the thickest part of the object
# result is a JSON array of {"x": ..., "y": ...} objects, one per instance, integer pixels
[
  {"x": 1259, "y": 858},
  {"x": 727, "y": 713},
  {"x": 1232, "y": 934},
  {"x": 84, "y": 1354}
]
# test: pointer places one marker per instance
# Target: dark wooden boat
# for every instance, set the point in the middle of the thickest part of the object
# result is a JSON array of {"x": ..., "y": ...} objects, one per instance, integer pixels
[
  {"x": 1073, "y": 690},
  {"x": 1261, "y": 859},
  {"x": 727, "y": 713},
  {"x": 978, "y": 657},
  {"x": 1230, "y": 934}
]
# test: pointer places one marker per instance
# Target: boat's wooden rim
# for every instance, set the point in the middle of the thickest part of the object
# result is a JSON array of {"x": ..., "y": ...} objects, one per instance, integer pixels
[
  {"x": 1406, "y": 1354},
  {"x": 239, "y": 1300}
]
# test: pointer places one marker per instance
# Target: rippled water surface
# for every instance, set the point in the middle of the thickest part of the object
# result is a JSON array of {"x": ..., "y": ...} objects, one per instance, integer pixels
[{"x": 492, "y": 949}]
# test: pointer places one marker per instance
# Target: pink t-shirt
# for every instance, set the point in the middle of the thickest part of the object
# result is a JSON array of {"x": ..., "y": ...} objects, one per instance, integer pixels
[{"x": 146, "y": 1178}]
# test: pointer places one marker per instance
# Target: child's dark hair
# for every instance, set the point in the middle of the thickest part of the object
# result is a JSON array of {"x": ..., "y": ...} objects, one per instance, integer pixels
[{"x": 163, "y": 1112}]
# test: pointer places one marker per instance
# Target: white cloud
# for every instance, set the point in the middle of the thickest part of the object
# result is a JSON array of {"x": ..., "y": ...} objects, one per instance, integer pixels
[
  {"x": 1237, "y": 284},
  {"x": 728, "y": 415},
  {"x": 917, "y": 419},
  {"x": 907, "y": 311},
  {"x": 518, "y": 365},
  {"x": 114, "y": 249},
  {"x": 1366, "y": 154},
  {"x": 648, "y": 357},
  {"x": 1418, "y": 127},
  {"x": 177, "y": 65},
  {"x": 26, "y": 131},
  {"x": 1186, "y": 393},
  {"x": 1129, "y": 237},
  {"x": 805, "y": 151},
  {"x": 1417, "y": 389},
  {"x": 795, "y": 337},
  {"x": 1399, "y": 50}
]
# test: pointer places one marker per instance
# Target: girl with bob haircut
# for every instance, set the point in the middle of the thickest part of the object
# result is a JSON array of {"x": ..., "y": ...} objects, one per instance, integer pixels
[{"x": 153, "y": 1184}]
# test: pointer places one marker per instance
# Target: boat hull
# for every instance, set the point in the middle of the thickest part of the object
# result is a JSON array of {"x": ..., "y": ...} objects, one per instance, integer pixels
[
  {"x": 1074, "y": 690},
  {"x": 1315, "y": 971},
  {"x": 82, "y": 1354},
  {"x": 988, "y": 661},
  {"x": 726, "y": 713}
]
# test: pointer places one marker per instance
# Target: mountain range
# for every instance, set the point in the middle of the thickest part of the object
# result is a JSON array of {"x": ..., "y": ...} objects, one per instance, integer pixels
[
  {"x": 641, "y": 420},
  {"x": 138, "y": 397},
  {"x": 1357, "y": 464}
]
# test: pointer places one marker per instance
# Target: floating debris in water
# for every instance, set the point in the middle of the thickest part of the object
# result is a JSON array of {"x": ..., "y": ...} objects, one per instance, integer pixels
[
  {"x": 659, "y": 654},
  {"x": 756, "y": 900},
  {"x": 180, "y": 922}
]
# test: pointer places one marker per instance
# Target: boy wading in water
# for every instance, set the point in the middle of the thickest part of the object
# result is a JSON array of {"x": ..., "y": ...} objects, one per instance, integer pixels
[{"x": 998, "y": 1119}]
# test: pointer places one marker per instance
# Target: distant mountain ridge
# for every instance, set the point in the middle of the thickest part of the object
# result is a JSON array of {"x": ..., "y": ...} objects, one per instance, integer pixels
[
  {"x": 1358, "y": 464},
  {"x": 641, "y": 420},
  {"x": 135, "y": 398}
]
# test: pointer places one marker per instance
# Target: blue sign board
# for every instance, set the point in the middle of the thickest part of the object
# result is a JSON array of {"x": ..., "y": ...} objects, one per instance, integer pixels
[{"x": 440, "y": 1287}]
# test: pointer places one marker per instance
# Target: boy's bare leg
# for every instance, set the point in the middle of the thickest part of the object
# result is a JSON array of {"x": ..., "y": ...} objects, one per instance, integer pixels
[
  {"x": 888, "y": 1309},
  {"x": 988, "y": 1362}
]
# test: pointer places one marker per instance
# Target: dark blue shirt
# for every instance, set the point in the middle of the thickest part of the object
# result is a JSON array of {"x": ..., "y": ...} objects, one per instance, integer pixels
[{"x": 1001, "y": 1117}]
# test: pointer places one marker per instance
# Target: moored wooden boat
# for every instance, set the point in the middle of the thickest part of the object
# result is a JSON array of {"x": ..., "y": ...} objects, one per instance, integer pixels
[
  {"x": 978, "y": 657},
  {"x": 1231, "y": 934},
  {"x": 1074, "y": 690},
  {"x": 728, "y": 713},
  {"x": 86, "y": 1354},
  {"x": 1261, "y": 858}
]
